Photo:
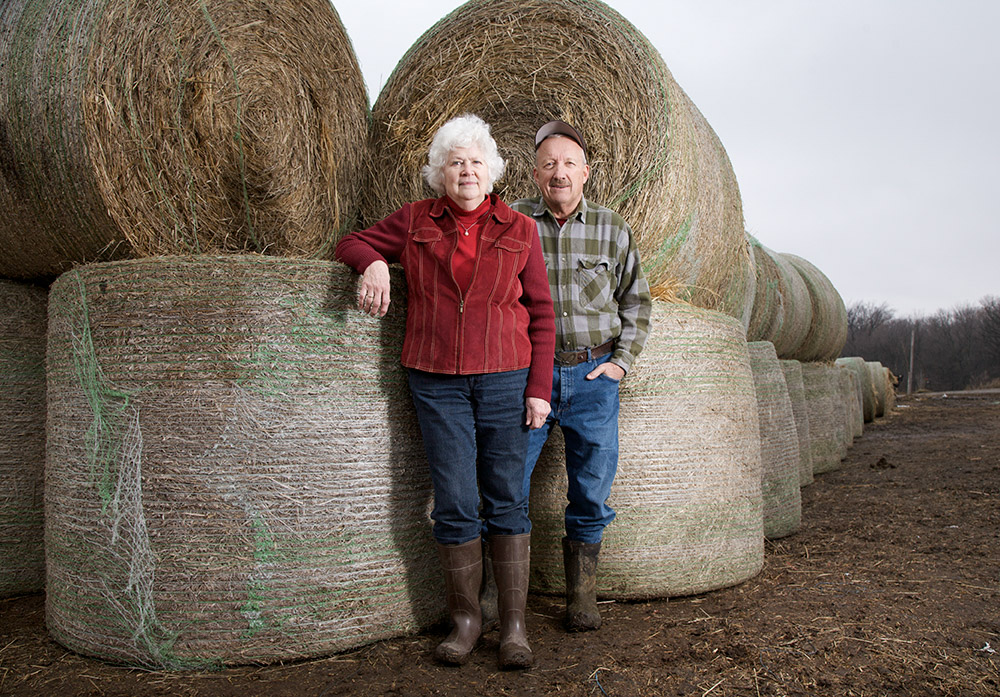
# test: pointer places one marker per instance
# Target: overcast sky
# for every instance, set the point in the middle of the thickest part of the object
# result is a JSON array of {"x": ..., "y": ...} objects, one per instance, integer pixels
[{"x": 864, "y": 133}]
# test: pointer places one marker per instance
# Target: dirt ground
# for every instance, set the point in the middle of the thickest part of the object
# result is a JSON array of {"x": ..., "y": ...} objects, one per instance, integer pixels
[{"x": 891, "y": 587}]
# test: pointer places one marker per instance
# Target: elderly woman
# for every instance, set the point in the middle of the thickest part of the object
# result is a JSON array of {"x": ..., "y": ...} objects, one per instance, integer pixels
[{"x": 479, "y": 346}]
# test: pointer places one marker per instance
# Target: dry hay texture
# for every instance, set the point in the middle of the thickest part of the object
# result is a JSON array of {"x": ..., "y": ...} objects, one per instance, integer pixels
[
  {"x": 855, "y": 411},
  {"x": 654, "y": 158},
  {"x": 796, "y": 305},
  {"x": 779, "y": 443},
  {"x": 22, "y": 442},
  {"x": 847, "y": 402},
  {"x": 866, "y": 386},
  {"x": 131, "y": 129},
  {"x": 828, "y": 329},
  {"x": 688, "y": 489},
  {"x": 235, "y": 473},
  {"x": 880, "y": 387},
  {"x": 768, "y": 312},
  {"x": 825, "y": 417},
  {"x": 890, "y": 390},
  {"x": 792, "y": 370}
]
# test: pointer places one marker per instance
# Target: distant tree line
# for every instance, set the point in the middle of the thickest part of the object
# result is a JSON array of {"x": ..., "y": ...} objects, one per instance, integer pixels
[{"x": 952, "y": 350}]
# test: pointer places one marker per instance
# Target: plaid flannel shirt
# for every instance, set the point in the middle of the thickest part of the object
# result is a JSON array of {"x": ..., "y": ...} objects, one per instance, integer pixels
[{"x": 598, "y": 290}]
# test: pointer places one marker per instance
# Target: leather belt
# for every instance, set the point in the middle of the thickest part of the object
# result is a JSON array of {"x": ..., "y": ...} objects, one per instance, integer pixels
[{"x": 576, "y": 357}]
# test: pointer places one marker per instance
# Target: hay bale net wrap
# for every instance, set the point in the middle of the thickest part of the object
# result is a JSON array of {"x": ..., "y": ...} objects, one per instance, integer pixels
[
  {"x": 867, "y": 387},
  {"x": 848, "y": 403},
  {"x": 235, "y": 473},
  {"x": 796, "y": 305},
  {"x": 687, "y": 493},
  {"x": 855, "y": 412},
  {"x": 876, "y": 373},
  {"x": 137, "y": 129},
  {"x": 825, "y": 412},
  {"x": 768, "y": 312},
  {"x": 828, "y": 328},
  {"x": 653, "y": 157},
  {"x": 779, "y": 443},
  {"x": 22, "y": 443},
  {"x": 890, "y": 390},
  {"x": 796, "y": 394}
]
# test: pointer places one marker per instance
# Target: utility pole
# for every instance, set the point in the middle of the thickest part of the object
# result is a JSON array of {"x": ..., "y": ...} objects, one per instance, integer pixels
[{"x": 909, "y": 376}]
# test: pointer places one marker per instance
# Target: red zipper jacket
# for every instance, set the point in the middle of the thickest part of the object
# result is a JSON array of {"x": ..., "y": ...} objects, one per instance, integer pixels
[{"x": 503, "y": 321}]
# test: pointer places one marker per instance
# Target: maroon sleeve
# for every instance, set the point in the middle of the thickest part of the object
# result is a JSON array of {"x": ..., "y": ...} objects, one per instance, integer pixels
[
  {"x": 383, "y": 241},
  {"x": 537, "y": 298}
]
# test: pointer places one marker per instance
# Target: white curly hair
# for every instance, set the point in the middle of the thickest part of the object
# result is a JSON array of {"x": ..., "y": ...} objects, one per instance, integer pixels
[{"x": 461, "y": 132}]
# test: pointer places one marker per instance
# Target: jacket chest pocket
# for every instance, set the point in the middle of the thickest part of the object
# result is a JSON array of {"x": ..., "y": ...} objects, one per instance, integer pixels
[{"x": 595, "y": 281}]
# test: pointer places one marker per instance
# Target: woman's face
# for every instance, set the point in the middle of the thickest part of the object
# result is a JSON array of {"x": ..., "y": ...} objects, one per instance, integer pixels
[{"x": 466, "y": 176}]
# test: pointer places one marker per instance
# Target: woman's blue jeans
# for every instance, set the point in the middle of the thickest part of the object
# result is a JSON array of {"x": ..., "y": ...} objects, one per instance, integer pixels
[
  {"x": 587, "y": 412},
  {"x": 476, "y": 442}
]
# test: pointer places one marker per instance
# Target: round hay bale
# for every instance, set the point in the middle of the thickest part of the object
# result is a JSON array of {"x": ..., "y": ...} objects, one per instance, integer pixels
[
  {"x": 796, "y": 305},
  {"x": 877, "y": 376},
  {"x": 174, "y": 127},
  {"x": 653, "y": 156},
  {"x": 797, "y": 396},
  {"x": 768, "y": 311},
  {"x": 847, "y": 399},
  {"x": 22, "y": 443},
  {"x": 856, "y": 413},
  {"x": 825, "y": 412},
  {"x": 890, "y": 390},
  {"x": 688, "y": 488},
  {"x": 828, "y": 329},
  {"x": 235, "y": 473},
  {"x": 866, "y": 386},
  {"x": 779, "y": 443}
]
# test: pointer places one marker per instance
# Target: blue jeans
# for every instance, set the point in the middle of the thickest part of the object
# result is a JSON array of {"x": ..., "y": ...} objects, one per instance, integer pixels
[
  {"x": 476, "y": 441},
  {"x": 587, "y": 412}
]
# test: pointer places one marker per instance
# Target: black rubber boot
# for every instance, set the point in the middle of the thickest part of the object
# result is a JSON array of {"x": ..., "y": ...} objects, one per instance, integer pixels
[
  {"x": 511, "y": 562},
  {"x": 463, "y": 570},
  {"x": 580, "y": 562}
]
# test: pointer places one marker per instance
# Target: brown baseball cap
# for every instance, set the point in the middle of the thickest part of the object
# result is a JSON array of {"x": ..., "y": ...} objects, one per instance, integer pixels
[{"x": 559, "y": 128}]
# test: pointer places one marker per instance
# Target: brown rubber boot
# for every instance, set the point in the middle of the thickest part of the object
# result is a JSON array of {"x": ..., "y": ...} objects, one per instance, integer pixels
[
  {"x": 488, "y": 591},
  {"x": 580, "y": 563},
  {"x": 463, "y": 570},
  {"x": 511, "y": 562}
]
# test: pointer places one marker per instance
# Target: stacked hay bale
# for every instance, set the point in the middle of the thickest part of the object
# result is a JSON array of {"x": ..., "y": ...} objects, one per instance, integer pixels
[
  {"x": 688, "y": 489},
  {"x": 824, "y": 414},
  {"x": 796, "y": 305},
  {"x": 137, "y": 129},
  {"x": 22, "y": 443},
  {"x": 876, "y": 374},
  {"x": 767, "y": 313},
  {"x": 792, "y": 370},
  {"x": 866, "y": 386},
  {"x": 847, "y": 401},
  {"x": 856, "y": 413},
  {"x": 779, "y": 443},
  {"x": 654, "y": 158},
  {"x": 890, "y": 390},
  {"x": 234, "y": 470},
  {"x": 827, "y": 332}
]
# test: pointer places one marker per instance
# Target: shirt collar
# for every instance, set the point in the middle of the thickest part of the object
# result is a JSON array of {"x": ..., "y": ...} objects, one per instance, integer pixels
[{"x": 541, "y": 208}]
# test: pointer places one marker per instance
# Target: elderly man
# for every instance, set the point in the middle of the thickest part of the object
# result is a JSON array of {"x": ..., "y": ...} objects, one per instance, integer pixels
[{"x": 602, "y": 307}]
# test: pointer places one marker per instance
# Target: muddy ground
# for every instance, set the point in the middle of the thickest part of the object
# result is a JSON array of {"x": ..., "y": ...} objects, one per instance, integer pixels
[{"x": 891, "y": 587}]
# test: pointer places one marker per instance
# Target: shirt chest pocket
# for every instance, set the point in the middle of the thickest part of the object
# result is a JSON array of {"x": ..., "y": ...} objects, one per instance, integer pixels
[{"x": 595, "y": 281}]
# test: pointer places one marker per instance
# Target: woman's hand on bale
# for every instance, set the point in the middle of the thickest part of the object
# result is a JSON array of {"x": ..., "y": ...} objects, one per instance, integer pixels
[
  {"x": 537, "y": 410},
  {"x": 373, "y": 297}
]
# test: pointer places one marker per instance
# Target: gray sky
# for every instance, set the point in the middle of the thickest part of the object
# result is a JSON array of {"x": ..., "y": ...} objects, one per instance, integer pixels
[{"x": 864, "y": 133}]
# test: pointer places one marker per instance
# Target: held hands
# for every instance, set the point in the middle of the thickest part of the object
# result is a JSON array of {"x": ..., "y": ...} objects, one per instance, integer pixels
[
  {"x": 609, "y": 369},
  {"x": 373, "y": 296},
  {"x": 537, "y": 409}
]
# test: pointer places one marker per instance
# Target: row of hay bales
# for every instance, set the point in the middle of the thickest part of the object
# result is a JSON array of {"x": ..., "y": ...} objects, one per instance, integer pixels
[{"x": 233, "y": 472}]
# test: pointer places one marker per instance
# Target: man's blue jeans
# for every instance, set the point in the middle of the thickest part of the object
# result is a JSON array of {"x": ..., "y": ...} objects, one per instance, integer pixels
[
  {"x": 587, "y": 412},
  {"x": 476, "y": 442}
]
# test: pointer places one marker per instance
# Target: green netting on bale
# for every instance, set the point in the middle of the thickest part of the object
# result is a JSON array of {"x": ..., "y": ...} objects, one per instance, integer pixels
[
  {"x": 855, "y": 413},
  {"x": 792, "y": 370},
  {"x": 235, "y": 473},
  {"x": 688, "y": 489},
  {"x": 653, "y": 156},
  {"x": 768, "y": 313},
  {"x": 847, "y": 402},
  {"x": 779, "y": 443},
  {"x": 22, "y": 441},
  {"x": 175, "y": 127},
  {"x": 828, "y": 328},
  {"x": 825, "y": 413}
]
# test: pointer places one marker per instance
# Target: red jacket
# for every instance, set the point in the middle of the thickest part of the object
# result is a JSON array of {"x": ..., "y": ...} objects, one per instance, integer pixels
[{"x": 504, "y": 321}]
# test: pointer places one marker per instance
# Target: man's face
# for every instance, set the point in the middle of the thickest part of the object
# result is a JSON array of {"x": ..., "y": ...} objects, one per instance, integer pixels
[{"x": 560, "y": 173}]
